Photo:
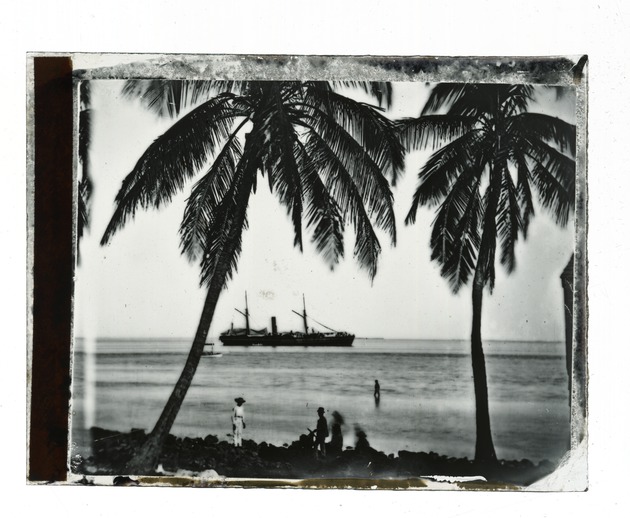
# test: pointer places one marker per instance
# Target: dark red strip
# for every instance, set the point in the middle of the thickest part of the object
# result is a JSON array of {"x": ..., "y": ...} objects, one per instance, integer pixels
[{"x": 52, "y": 270}]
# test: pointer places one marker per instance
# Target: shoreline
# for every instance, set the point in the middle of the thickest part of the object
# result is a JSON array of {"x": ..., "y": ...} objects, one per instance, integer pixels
[{"x": 111, "y": 450}]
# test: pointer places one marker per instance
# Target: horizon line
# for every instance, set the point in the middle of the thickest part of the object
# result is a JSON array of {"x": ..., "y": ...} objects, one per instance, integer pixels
[{"x": 183, "y": 338}]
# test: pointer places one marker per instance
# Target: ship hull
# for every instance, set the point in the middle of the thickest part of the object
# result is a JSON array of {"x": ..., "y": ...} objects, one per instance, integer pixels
[{"x": 280, "y": 340}]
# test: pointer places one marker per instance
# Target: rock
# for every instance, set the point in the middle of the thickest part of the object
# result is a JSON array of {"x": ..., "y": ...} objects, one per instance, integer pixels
[
  {"x": 210, "y": 440},
  {"x": 209, "y": 456}
]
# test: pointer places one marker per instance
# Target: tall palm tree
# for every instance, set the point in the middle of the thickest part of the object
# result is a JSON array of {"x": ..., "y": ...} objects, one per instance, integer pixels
[
  {"x": 492, "y": 156},
  {"x": 326, "y": 157}
]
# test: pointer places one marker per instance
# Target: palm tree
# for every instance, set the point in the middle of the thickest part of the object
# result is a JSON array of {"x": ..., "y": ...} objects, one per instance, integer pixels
[
  {"x": 492, "y": 156},
  {"x": 326, "y": 157}
]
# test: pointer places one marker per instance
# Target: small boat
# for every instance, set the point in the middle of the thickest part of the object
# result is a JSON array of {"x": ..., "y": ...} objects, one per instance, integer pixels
[
  {"x": 250, "y": 337},
  {"x": 209, "y": 352}
]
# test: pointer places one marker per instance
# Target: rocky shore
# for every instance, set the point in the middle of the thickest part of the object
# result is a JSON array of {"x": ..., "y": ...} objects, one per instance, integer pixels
[{"x": 111, "y": 450}]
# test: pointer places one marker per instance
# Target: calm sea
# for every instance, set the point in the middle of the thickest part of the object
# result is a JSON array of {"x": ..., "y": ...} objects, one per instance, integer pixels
[{"x": 426, "y": 404}]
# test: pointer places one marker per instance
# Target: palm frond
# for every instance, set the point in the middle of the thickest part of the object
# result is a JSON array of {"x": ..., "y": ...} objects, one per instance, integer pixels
[
  {"x": 553, "y": 195},
  {"x": 222, "y": 243},
  {"x": 280, "y": 155},
  {"x": 557, "y": 170},
  {"x": 438, "y": 174},
  {"x": 170, "y": 97},
  {"x": 557, "y": 176},
  {"x": 85, "y": 132},
  {"x": 380, "y": 90},
  {"x": 455, "y": 235},
  {"x": 474, "y": 100},
  {"x": 322, "y": 212},
  {"x": 559, "y": 165},
  {"x": 515, "y": 98},
  {"x": 370, "y": 128},
  {"x": 85, "y": 184},
  {"x": 524, "y": 191},
  {"x": 340, "y": 184},
  {"x": 84, "y": 141},
  {"x": 538, "y": 126},
  {"x": 285, "y": 178},
  {"x": 433, "y": 130},
  {"x": 83, "y": 205},
  {"x": 172, "y": 159},
  {"x": 509, "y": 221},
  {"x": 364, "y": 171},
  {"x": 367, "y": 247},
  {"x": 443, "y": 95},
  {"x": 477, "y": 100},
  {"x": 206, "y": 196},
  {"x": 488, "y": 243}
]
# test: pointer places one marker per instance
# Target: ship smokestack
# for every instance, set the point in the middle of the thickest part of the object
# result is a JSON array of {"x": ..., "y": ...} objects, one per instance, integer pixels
[{"x": 274, "y": 327}]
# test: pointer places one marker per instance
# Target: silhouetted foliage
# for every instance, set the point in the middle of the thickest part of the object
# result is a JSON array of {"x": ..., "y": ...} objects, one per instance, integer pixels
[
  {"x": 492, "y": 157},
  {"x": 326, "y": 157}
]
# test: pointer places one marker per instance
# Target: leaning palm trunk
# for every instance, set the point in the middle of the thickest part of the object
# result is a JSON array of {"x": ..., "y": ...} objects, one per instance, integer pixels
[
  {"x": 484, "y": 447},
  {"x": 147, "y": 457}
]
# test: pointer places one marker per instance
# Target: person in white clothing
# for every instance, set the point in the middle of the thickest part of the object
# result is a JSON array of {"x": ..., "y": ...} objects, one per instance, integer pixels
[{"x": 238, "y": 421}]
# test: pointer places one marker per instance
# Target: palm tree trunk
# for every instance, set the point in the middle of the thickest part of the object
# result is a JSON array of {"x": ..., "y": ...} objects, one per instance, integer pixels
[
  {"x": 147, "y": 457},
  {"x": 484, "y": 448}
]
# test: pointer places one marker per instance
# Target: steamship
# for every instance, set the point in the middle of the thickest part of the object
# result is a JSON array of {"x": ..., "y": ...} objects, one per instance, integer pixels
[{"x": 249, "y": 336}]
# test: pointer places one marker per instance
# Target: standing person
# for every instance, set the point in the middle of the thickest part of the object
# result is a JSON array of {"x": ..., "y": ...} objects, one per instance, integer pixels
[
  {"x": 238, "y": 421},
  {"x": 377, "y": 390},
  {"x": 321, "y": 432}
]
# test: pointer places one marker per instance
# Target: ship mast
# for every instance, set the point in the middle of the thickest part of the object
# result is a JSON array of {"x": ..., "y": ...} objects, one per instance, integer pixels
[
  {"x": 246, "y": 315},
  {"x": 303, "y": 315}
]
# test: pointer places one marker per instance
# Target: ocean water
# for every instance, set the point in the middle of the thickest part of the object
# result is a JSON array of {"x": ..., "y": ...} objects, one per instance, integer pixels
[{"x": 426, "y": 404}]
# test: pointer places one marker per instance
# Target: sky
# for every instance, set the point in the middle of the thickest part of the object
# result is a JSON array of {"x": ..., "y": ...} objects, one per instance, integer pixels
[{"x": 141, "y": 286}]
